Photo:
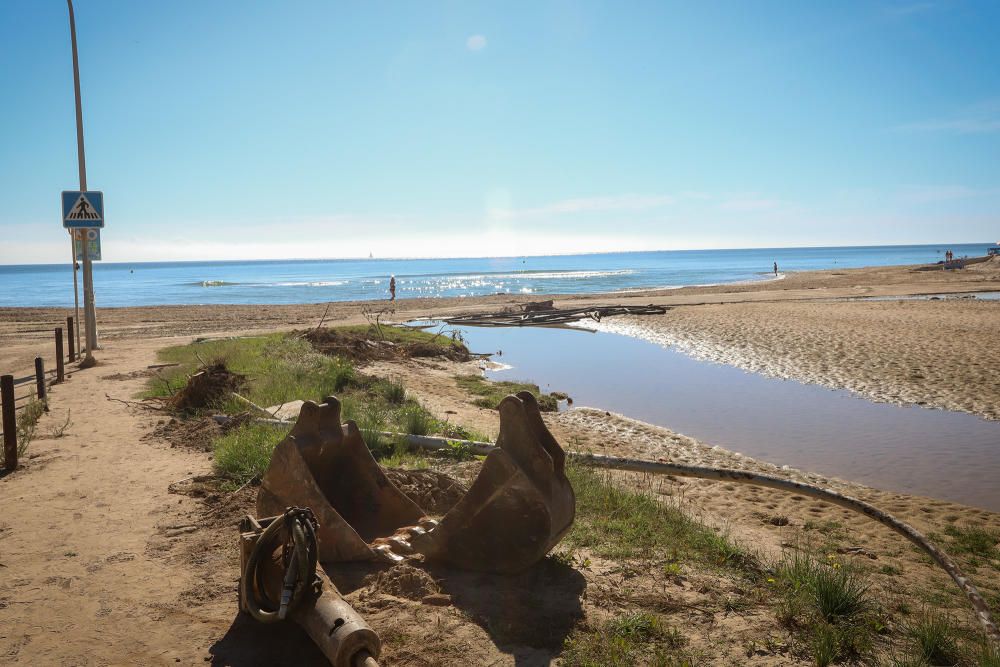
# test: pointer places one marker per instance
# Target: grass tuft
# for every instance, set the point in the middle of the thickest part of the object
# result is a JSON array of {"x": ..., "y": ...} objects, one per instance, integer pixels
[
  {"x": 935, "y": 637},
  {"x": 825, "y": 645},
  {"x": 488, "y": 394},
  {"x": 372, "y": 420},
  {"x": 974, "y": 540},
  {"x": 393, "y": 391},
  {"x": 629, "y": 639},
  {"x": 620, "y": 523},
  {"x": 833, "y": 591},
  {"x": 244, "y": 453},
  {"x": 415, "y": 420},
  {"x": 27, "y": 425}
]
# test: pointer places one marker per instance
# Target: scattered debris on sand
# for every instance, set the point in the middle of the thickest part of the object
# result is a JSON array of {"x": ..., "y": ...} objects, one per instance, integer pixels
[
  {"x": 367, "y": 347},
  {"x": 433, "y": 491},
  {"x": 539, "y": 315},
  {"x": 207, "y": 388},
  {"x": 197, "y": 434}
]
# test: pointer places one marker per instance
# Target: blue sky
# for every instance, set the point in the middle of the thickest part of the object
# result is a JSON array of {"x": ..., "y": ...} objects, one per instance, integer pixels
[{"x": 227, "y": 130}]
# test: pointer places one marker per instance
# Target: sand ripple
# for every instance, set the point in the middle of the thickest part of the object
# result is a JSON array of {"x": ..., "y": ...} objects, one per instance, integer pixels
[{"x": 941, "y": 354}]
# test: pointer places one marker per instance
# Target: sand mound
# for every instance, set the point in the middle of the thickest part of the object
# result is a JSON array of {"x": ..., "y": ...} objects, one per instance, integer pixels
[
  {"x": 206, "y": 388},
  {"x": 363, "y": 347},
  {"x": 403, "y": 581},
  {"x": 434, "y": 492},
  {"x": 989, "y": 266}
]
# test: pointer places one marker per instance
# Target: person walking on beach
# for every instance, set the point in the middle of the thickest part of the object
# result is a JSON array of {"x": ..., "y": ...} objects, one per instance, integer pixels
[
  {"x": 392, "y": 288},
  {"x": 775, "y": 269}
]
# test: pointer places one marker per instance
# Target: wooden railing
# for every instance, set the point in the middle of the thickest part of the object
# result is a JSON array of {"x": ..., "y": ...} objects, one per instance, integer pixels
[{"x": 36, "y": 387}]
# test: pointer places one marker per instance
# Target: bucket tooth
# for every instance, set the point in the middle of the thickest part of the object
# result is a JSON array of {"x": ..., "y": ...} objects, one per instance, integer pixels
[
  {"x": 326, "y": 466},
  {"x": 519, "y": 506}
]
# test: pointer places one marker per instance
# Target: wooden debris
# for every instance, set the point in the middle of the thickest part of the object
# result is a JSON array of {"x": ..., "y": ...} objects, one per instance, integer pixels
[{"x": 545, "y": 317}]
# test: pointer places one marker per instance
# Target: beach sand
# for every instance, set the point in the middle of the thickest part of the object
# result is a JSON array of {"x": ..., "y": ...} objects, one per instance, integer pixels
[{"x": 107, "y": 563}]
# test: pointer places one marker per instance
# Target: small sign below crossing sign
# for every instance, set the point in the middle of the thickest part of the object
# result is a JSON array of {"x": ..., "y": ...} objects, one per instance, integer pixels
[
  {"x": 93, "y": 237},
  {"x": 82, "y": 209}
]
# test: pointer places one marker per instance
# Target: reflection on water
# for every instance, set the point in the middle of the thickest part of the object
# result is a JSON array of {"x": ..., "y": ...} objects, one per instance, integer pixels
[{"x": 936, "y": 453}]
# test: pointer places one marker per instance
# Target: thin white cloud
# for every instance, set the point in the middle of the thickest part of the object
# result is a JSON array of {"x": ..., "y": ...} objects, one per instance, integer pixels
[
  {"x": 610, "y": 204},
  {"x": 476, "y": 43},
  {"x": 980, "y": 119}
]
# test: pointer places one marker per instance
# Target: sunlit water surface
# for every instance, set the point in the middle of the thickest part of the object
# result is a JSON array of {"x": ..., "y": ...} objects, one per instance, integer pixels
[{"x": 950, "y": 455}]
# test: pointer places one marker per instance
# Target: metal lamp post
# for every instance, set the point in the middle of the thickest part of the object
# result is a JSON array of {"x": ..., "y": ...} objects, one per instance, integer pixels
[{"x": 89, "y": 312}]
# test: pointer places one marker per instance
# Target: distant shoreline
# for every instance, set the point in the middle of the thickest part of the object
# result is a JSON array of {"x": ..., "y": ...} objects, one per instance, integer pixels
[
  {"x": 346, "y": 281},
  {"x": 280, "y": 260}
]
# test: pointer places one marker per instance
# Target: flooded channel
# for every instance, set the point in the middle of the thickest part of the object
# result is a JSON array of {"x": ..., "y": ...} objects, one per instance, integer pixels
[{"x": 949, "y": 455}]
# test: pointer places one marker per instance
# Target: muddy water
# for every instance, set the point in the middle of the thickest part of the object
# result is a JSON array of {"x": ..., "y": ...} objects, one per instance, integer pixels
[{"x": 949, "y": 455}]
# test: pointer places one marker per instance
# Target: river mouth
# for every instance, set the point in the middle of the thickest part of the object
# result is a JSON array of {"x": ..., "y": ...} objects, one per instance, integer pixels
[{"x": 936, "y": 453}]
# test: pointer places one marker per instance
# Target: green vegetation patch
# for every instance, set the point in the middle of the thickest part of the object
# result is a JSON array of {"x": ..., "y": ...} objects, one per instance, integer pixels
[
  {"x": 624, "y": 641},
  {"x": 27, "y": 424},
  {"x": 618, "y": 523},
  {"x": 401, "y": 335},
  {"x": 244, "y": 453},
  {"x": 280, "y": 368},
  {"x": 974, "y": 540},
  {"x": 489, "y": 394},
  {"x": 830, "y": 604}
]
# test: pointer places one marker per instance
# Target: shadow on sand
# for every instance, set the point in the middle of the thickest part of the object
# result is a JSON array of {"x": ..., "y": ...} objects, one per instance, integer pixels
[{"x": 535, "y": 609}]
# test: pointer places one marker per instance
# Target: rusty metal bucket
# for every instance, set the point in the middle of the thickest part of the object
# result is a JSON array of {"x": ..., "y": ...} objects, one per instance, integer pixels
[{"x": 517, "y": 509}]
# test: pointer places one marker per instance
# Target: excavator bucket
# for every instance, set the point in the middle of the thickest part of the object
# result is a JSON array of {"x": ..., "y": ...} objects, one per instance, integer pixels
[
  {"x": 326, "y": 466},
  {"x": 519, "y": 506},
  {"x": 517, "y": 509}
]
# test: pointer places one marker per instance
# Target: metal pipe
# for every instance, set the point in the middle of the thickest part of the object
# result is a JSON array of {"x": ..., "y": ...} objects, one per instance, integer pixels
[{"x": 745, "y": 477}]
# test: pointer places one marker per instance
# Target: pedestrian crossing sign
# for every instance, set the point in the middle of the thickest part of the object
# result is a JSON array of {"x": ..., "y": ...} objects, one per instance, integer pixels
[{"x": 82, "y": 209}]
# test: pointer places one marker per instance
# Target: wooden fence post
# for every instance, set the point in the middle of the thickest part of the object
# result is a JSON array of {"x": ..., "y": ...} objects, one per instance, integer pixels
[
  {"x": 40, "y": 381},
  {"x": 9, "y": 422},
  {"x": 70, "y": 339},
  {"x": 60, "y": 364}
]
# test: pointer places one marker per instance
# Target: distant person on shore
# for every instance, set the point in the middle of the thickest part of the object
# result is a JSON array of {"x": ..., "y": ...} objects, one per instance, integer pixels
[
  {"x": 392, "y": 288},
  {"x": 775, "y": 269}
]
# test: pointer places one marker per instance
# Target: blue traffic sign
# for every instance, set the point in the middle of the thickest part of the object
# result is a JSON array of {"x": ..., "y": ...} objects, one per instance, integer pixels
[{"x": 82, "y": 209}]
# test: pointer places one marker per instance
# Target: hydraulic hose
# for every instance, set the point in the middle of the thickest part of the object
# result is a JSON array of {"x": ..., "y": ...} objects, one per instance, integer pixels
[
  {"x": 299, "y": 556},
  {"x": 972, "y": 594},
  {"x": 979, "y": 605}
]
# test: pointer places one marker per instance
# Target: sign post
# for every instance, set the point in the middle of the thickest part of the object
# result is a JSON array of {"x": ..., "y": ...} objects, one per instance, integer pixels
[
  {"x": 76, "y": 293},
  {"x": 89, "y": 312}
]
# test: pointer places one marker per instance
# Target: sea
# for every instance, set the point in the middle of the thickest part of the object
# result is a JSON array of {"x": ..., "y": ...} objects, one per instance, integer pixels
[{"x": 316, "y": 281}]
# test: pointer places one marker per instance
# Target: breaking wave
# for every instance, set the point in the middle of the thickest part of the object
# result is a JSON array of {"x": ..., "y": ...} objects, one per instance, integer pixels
[
  {"x": 543, "y": 275},
  {"x": 214, "y": 283}
]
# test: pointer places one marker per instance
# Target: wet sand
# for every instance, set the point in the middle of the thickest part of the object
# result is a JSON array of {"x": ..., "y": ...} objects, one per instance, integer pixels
[{"x": 937, "y": 354}]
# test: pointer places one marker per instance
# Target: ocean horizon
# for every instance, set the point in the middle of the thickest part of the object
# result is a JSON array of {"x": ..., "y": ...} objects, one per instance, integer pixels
[{"x": 289, "y": 281}]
